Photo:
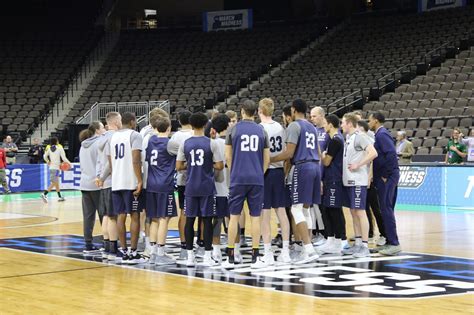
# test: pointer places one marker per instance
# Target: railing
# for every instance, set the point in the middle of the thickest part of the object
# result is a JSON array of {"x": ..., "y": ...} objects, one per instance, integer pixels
[
  {"x": 99, "y": 111},
  {"x": 346, "y": 103},
  {"x": 74, "y": 81}
]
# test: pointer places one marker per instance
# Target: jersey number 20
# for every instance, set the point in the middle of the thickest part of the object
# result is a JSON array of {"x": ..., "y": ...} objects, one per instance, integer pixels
[{"x": 248, "y": 143}]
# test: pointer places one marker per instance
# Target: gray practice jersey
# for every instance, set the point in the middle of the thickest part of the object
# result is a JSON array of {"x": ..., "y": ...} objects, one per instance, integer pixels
[{"x": 354, "y": 152}]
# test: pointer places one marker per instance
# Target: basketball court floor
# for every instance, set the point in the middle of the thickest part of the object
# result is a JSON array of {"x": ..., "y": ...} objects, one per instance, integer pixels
[{"x": 43, "y": 271}]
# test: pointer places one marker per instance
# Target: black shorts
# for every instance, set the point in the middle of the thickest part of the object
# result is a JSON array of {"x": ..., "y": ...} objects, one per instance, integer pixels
[
  {"x": 105, "y": 202},
  {"x": 180, "y": 191}
]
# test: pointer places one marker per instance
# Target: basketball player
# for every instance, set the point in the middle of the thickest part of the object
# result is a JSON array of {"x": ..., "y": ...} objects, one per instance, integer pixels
[
  {"x": 201, "y": 156},
  {"x": 146, "y": 133},
  {"x": 386, "y": 176},
  {"x": 303, "y": 150},
  {"x": 53, "y": 156},
  {"x": 243, "y": 243},
  {"x": 104, "y": 181},
  {"x": 88, "y": 155},
  {"x": 248, "y": 156},
  {"x": 125, "y": 157},
  {"x": 161, "y": 205},
  {"x": 333, "y": 189},
  {"x": 318, "y": 214},
  {"x": 358, "y": 154},
  {"x": 220, "y": 124},
  {"x": 274, "y": 186},
  {"x": 180, "y": 136}
]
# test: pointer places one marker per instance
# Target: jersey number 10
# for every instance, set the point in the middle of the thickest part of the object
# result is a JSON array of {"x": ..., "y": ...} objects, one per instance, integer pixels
[{"x": 119, "y": 151}]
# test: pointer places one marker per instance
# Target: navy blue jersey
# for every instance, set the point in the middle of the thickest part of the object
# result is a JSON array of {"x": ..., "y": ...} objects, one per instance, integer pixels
[
  {"x": 248, "y": 140},
  {"x": 333, "y": 172},
  {"x": 323, "y": 138},
  {"x": 200, "y": 153},
  {"x": 161, "y": 165},
  {"x": 304, "y": 135}
]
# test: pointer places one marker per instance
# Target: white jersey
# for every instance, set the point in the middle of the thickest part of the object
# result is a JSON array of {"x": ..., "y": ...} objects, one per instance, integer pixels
[
  {"x": 179, "y": 137},
  {"x": 222, "y": 187},
  {"x": 277, "y": 139},
  {"x": 122, "y": 143}
]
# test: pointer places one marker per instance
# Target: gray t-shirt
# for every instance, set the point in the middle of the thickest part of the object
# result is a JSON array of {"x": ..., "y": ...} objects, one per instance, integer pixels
[
  {"x": 293, "y": 133},
  {"x": 354, "y": 152}
]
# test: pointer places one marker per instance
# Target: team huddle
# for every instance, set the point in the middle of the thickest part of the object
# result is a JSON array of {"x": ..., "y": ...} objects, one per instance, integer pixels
[{"x": 306, "y": 173}]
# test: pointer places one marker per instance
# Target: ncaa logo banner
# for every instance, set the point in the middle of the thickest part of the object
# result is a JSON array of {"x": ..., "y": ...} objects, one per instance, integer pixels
[
  {"x": 25, "y": 177},
  {"x": 430, "y": 5},
  {"x": 412, "y": 176},
  {"x": 227, "y": 20}
]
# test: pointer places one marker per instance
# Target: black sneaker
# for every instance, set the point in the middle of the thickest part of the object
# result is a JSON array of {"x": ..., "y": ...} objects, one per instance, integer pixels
[
  {"x": 90, "y": 248},
  {"x": 278, "y": 241},
  {"x": 122, "y": 256},
  {"x": 135, "y": 258}
]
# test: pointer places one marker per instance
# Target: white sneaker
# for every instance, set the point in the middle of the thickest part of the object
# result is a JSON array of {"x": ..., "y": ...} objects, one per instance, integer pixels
[
  {"x": 164, "y": 260},
  {"x": 148, "y": 251},
  {"x": 238, "y": 257},
  {"x": 318, "y": 239},
  {"x": 325, "y": 245},
  {"x": 44, "y": 197},
  {"x": 191, "y": 261},
  {"x": 61, "y": 199},
  {"x": 227, "y": 264},
  {"x": 334, "y": 248},
  {"x": 295, "y": 250},
  {"x": 259, "y": 264},
  {"x": 381, "y": 241},
  {"x": 217, "y": 256},
  {"x": 269, "y": 259},
  {"x": 183, "y": 254},
  {"x": 305, "y": 257},
  {"x": 200, "y": 251},
  {"x": 208, "y": 262},
  {"x": 284, "y": 257},
  {"x": 344, "y": 244}
]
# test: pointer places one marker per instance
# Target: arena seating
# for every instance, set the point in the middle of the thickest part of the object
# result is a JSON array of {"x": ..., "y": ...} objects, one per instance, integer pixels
[
  {"x": 366, "y": 49},
  {"x": 432, "y": 105},
  {"x": 190, "y": 67},
  {"x": 38, "y": 60}
]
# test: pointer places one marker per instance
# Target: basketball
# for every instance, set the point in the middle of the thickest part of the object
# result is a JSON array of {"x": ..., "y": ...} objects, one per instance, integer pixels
[{"x": 65, "y": 166}]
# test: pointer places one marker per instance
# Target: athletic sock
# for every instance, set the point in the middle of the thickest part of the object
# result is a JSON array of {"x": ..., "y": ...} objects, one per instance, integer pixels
[
  {"x": 183, "y": 245},
  {"x": 365, "y": 244},
  {"x": 230, "y": 254},
  {"x": 160, "y": 250},
  {"x": 113, "y": 247},
  {"x": 46, "y": 192},
  {"x": 147, "y": 241},
  {"x": 286, "y": 245},
  {"x": 267, "y": 248},
  {"x": 254, "y": 254},
  {"x": 106, "y": 245},
  {"x": 200, "y": 243},
  {"x": 152, "y": 243},
  {"x": 358, "y": 241},
  {"x": 216, "y": 249},
  {"x": 242, "y": 232},
  {"x": 59, "y": 194}
]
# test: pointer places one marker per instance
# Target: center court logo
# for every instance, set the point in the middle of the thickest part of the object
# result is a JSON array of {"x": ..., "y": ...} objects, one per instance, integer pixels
[
  {"x": 410, "y": 275},
  {"x": 412, "y": 176}
]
